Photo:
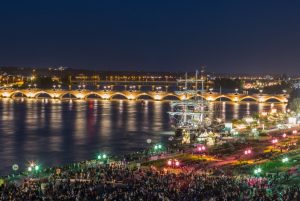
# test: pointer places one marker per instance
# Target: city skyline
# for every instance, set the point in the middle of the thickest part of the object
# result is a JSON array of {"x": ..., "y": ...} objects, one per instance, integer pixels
[{"x": 225, "y": 36}]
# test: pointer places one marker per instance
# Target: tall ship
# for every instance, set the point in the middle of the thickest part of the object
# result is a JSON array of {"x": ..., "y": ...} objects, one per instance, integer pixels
[{"x": 191, "y": 116}]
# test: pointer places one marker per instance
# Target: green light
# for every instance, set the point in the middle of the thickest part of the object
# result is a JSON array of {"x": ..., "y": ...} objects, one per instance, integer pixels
[
  {"x": 37, "y": 167},
  {"x": 257, "y": 171},
  {"x": 285, "y": 160},
  {"x": 157, "y": 146},
  {"x": 101, "y": 156}
]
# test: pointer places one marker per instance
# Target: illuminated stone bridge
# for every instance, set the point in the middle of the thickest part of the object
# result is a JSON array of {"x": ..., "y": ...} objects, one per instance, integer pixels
[{"x": 133, "y": 95}]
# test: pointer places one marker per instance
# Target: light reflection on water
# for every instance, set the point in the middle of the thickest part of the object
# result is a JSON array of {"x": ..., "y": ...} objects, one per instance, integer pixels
[{"x": 56, "y": 132}]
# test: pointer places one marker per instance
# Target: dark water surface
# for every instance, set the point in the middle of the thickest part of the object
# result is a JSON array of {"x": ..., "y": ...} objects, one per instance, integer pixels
[{"x": 56, "y": 132}]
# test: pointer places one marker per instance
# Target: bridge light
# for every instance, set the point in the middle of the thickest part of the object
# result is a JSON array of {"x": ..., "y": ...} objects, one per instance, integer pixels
[
  {"x": 157, "y": 97},
  {"x": 210, "y": 98},
  {"x": 5, "y": 94},
  {"x": 131, "y": 97},
  {"x": 80, "y": 96}
]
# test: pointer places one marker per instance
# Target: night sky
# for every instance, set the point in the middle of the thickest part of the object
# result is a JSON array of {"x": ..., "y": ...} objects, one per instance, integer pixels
[{"x": 226, "y": 36}]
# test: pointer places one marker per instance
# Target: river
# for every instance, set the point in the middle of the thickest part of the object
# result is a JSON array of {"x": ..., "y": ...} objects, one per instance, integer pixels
[{"x": 53, "y": 132}]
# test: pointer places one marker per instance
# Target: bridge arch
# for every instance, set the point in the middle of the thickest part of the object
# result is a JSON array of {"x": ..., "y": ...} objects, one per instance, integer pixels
[
  {"x": 93, "y": 95},
  {"x": 43, "y": 93},
  {"x": 118, "y": 96},
  {"x": 170, "y": 97},
  {"x": 198, "y": 96},
  {"x": 68, "y": 95},
  {"x": 224, "y": 98},
  {"x": 248, "y": 98},
  {"x": 144, "y": 96},
  {"x": 273, "y": 99},
  {"x": 16, "y": 94}
]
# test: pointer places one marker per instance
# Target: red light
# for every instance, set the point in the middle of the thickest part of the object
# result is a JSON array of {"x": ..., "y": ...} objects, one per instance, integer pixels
[
  {"x": 177, "y": 163},
  {"x": 246, "y": 152},
  {"x": 169, "y": 162}
]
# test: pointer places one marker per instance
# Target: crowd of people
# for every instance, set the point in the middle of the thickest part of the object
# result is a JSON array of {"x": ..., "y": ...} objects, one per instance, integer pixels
[{"x": 118, "y": 182}]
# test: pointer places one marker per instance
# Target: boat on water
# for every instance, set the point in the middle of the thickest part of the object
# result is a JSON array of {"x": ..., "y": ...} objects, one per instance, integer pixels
[{"x": 191, "y": 117}]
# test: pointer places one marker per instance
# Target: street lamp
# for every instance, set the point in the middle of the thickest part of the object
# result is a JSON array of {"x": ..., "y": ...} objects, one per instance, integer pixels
[
  {"x": 285, "y": 160},
  {"x": 158, "y": 147},
  {"x": 247, "y": 151},
  {"x": 33, "y": 166},
  {"x": 54, "y": 86},
  {"x": 102, "y": 156},
  {"x": 236, "y": 90},
  {"x": 274, "y": 141},
  {"x": 173, "y": 163},
  {"x": 257, "y": 171},
  {"x": 201, "y": 148}
]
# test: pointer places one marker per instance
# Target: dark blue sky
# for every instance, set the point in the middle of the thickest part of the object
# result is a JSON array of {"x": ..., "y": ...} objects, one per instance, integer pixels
[{"x": 226, "y": 36}]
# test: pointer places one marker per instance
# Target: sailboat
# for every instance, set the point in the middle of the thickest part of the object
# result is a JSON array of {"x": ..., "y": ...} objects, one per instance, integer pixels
[{"x": 190, "y": 116}]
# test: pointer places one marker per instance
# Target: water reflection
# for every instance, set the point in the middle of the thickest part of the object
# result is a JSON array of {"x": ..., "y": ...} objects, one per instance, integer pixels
[{"x": 56, "y": 132}]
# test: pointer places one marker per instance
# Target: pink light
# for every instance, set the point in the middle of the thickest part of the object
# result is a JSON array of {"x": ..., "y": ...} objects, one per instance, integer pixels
[
  {"x": 169, "y": 162},
  {"x": 274, "y": 141},
  {"x": 201, "y": 148},
  {"x": 284, "y": 135},
  {"x": 248, "y": 151},
  {"x": 295, "y": 131},
  {"x": 177, "y": 163}
]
